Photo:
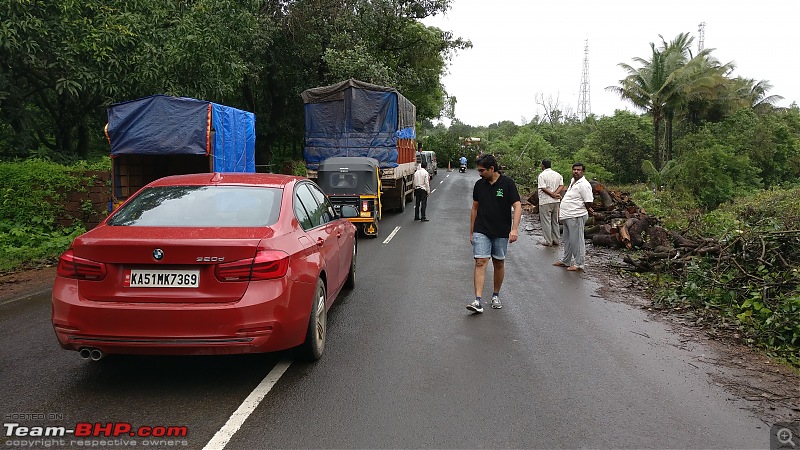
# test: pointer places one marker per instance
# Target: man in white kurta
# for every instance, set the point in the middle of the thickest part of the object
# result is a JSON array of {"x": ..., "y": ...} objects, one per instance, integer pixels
[{"x": 576, "y": 205}]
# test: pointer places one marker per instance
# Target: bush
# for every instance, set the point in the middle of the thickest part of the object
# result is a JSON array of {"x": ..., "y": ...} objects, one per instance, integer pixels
[
  {"x": 677, "y": 210},
  {"x": 31, "y": 199},
  {"x": 754, "y": 284}
]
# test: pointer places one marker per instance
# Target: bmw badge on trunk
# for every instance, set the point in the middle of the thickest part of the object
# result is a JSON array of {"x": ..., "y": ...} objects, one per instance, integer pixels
[{"x": 158, "y": 254}]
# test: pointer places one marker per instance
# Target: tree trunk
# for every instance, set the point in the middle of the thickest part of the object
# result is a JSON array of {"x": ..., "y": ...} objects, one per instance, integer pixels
[
  {"x": 668, "y": 146},
  {"x": 64, "y": 139},
  {"x": 657, "y": 139},
  {"x": 83, "y": 141}
]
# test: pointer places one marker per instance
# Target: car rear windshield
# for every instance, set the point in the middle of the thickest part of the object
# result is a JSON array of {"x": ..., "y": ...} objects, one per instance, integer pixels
[{"x": 201, "y": 206}]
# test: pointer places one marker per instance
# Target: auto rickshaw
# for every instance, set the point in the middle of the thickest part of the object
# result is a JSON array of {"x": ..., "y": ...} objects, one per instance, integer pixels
[{"x": 356, "y": 181}]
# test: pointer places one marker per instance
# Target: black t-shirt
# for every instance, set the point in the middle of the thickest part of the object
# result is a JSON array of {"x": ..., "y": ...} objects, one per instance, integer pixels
[{"x": 494, "y": 206}]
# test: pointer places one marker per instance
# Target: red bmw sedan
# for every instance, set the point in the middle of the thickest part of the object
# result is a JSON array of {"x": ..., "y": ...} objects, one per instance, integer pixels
[{"x": 207, "y": 264}]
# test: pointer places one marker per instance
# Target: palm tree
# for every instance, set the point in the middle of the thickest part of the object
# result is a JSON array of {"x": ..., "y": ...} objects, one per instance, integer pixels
[
  {"x": 663, "y": 83},
  {"x": 644, "y": 88},
  {"x": 753, "y": 94},
  {"x": 724, "y": 96}
]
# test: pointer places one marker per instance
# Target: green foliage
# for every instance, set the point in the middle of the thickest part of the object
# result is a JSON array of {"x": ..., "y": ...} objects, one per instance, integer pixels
[
  {"x": 299, "y": 168},
  {"x": 771, "y": 141},
  {"x": 30, "y": 201},
  {"x": 721, "y": 223},
  {"x": 713, "y": 174},
  {"x": 675, "y": 209},
  {"x": 754, "y": 284},
  {"x": 593, "y": 162},
  {"x": 29, "y": 190},
  {"x": 446, "y": 145},
  {"x": 65, "y": 61},
  {"x": 769, "y": 210},
  {"x": 755, "y": 287},
  {"x": 26, "y": 245},
  {"x": 654, "y": 177},
  {"x": 619, "y": 143}
]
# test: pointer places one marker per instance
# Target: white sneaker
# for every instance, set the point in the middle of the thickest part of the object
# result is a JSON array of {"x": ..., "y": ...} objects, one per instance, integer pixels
[
  {"x": 496, "y": 302},
  {"x": 475, "y": 306}
]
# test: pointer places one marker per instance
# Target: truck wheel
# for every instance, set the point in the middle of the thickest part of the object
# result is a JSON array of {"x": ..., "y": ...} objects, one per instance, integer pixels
[
  {"x": 402, "y": 203},
  {"x": 314, "y": 345}
]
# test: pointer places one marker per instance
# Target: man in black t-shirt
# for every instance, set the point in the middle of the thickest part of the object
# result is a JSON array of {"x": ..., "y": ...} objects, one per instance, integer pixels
[{"x": 492, "y": 226}]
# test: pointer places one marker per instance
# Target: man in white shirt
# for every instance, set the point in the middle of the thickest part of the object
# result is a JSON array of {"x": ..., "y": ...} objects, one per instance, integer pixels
[
  {"x": 422, "y": 187},
  {"x": 576, "y": 205},
  {"x": 549, "y": 184}
]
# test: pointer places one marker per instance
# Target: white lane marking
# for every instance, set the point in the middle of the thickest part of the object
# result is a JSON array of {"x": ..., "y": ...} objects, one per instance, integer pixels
[
  {"x": 443, "y": 180},
  {"x": 24, "y": 296},
  {"x": 434, "y": 190},
  {"x": 391, "y": 235},
  {"x": 224, "y": 435}
]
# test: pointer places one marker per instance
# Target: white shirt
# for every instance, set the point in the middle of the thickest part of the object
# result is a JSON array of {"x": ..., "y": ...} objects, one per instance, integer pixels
[
  {"x": 551, "y": 180},
  {"x": 422, "y": 179},
  {"x": 573, "y": 202}
]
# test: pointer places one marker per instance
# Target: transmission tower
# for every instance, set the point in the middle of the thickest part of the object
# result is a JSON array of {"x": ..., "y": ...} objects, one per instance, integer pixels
[
  {"x": 701, "y": 42},
  {"x": 584, "y": 102}
]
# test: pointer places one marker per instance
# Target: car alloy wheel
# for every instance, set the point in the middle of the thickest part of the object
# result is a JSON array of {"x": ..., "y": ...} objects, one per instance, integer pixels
[{"x": 317, "y": 325}]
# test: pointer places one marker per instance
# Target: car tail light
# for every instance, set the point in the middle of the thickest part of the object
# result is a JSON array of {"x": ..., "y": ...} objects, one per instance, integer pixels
[
  {"x": 364, "y": 205},
  {"x": 267, "y": 264},
  {"x": 70, "y": 266}
]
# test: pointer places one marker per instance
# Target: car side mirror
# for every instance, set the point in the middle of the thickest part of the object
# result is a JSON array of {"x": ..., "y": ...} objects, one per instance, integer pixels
[{"x": 348, "y": 211}]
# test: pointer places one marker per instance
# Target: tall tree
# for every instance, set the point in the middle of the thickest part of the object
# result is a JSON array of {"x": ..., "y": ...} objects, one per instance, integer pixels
[
  {"x": 326, "y": 41},
  {"x": 661, "y": 83},
  {"x": 65, "y": 60}
]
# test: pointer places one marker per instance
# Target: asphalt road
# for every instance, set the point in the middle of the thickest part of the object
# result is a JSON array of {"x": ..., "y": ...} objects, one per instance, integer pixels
[{"x": 406, "y": 365}]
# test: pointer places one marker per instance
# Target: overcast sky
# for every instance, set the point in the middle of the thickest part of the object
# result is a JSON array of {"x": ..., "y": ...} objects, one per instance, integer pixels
[{"x": 522, "y": 48}]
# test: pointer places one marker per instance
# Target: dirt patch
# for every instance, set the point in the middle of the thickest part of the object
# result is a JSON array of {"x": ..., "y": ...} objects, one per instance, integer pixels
[
  {"x": 771, "y": 390},
  {"x": 26, "y": 282}
]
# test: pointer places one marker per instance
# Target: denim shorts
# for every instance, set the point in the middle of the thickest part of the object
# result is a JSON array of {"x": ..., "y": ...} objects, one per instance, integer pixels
[{"x": 485, "y": 247}]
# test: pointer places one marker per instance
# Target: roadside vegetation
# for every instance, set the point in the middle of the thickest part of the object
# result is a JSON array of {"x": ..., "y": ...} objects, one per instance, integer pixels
[
  {"x": 31, "y": 200},
  {"x": 707, "y": 153}
]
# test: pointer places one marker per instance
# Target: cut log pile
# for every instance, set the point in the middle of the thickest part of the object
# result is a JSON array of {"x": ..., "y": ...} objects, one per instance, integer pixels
[{"x": 619, "y": 222}]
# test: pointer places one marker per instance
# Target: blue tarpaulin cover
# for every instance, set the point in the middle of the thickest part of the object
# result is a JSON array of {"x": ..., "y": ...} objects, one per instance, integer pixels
[
  {"x": 162, "y": 124},
  {"x": 354, "y": 118}
]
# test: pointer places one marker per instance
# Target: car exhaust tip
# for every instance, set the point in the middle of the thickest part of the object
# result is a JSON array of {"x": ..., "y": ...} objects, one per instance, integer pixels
[
  {"x": 96, "y": 354},
  {"x": 85, "y": 353}
]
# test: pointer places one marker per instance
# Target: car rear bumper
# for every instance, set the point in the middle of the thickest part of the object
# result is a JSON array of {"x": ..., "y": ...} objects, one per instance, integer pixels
[{"x": 265, "y": 319}]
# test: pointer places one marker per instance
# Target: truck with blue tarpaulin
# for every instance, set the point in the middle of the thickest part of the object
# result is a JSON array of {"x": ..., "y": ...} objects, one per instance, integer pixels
[
  {"x": 161, "y": 135},
  {"x": 355, "y": 118}
]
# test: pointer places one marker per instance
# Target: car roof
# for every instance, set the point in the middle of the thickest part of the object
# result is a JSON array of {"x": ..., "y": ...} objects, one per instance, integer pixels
[{"x": 227, "y": 178}]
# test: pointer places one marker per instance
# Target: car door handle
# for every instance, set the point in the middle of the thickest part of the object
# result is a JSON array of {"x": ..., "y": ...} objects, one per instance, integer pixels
[{"x": 320, "y": 241}]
